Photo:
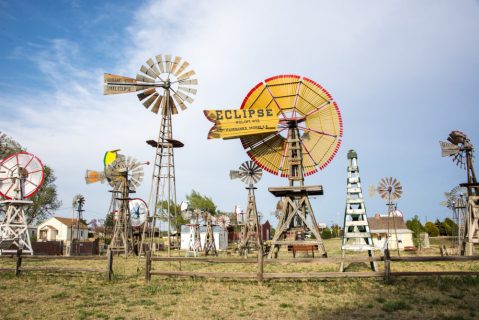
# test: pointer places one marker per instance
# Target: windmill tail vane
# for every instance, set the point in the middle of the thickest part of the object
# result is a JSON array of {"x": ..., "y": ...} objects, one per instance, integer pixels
[{"x": 93, "y": 176}]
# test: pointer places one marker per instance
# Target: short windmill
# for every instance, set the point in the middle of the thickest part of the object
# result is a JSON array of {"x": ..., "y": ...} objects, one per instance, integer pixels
[
  {"x": 250, "y": 173},
  {"x": 193, "y": 217},
  {"x": 290, "y": 126},
  {"x": 124, "y": 174},
  {"x": 456, "y": 201},
  {"x": 164, "y": 84},
  {"x": 21, "y": 175},
  {"x": 389, "y": 189},
  {"x": 461, "y": 150}
]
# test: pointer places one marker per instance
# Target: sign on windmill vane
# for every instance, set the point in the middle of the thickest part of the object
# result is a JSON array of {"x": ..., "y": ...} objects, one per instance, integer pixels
[{"x": 235, "y": 123}]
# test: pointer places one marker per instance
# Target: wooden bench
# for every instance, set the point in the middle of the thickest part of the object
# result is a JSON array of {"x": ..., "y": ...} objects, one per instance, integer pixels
[{"x": 302, "y": 248}]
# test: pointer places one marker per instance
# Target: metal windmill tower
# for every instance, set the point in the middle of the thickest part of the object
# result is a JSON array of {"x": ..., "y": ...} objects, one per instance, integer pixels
[
  {"x": 460, "y": 148},
  {"x": 78, "y": 203},
  {"x": 356, "y": 233},
  {"x": 390, "y": 189},
  {"x": 456, "y": 201},
  {"x": 250, "y": 173},
  {"x": 21, "y": 175},
  {"x": 164, "y": 83}
]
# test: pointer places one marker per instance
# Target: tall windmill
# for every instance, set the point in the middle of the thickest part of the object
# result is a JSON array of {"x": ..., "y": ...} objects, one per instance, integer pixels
[
  {"x": 307, "y": 139},
  {"x": 164, "y": 84},
  {"x": 124, "y": 174},
  {"x": 461, "y": 150},
  {"x": 356, "y": 232},
  {"x": 21, "y": 175},
  {"x": 389, "y": 189},
  {"x": 250, "y": 173}
]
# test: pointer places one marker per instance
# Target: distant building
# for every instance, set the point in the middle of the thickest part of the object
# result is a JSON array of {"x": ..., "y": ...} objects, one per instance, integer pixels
[
  {"x": 378, "y": 226},
  {"x": 62, "y": 229},
  {"x": 220, "y": 235}
]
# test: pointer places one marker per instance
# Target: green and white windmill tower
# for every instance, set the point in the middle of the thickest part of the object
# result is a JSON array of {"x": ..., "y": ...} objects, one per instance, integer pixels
[{"x": 356, "y": 233}]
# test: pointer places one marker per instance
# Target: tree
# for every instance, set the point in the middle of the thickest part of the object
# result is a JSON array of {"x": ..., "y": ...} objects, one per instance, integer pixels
[
  {"x": 201, "y": 202},
  {"x": 179, "y": 218},
  {"x": 335, "y": 231},
  {"x": 431, "y": 229},
  {"x": 45, "y": 201},
  {"x": 441, "y": 227},
  {"x": 417, "y": 228},
  {"x": 326, "y": 233},
  {"x": 450, "y": 227}
]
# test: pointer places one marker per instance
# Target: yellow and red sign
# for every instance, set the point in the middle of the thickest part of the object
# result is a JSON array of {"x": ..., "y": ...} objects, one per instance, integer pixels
[{"x": 237, "y": 123}]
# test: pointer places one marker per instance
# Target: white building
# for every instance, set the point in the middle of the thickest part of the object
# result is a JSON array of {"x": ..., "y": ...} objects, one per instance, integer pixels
[
  {"x": 381, "y": 226},
  {"x": 220, "y": 235},
  {"x": 58, "y": 229}
]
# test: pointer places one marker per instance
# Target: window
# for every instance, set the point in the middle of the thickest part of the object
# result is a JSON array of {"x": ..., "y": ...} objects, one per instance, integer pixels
[{"x": 379, "y": 237}]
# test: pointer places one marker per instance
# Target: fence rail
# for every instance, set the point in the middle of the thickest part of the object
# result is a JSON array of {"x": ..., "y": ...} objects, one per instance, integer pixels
[
  {"x": 19, "y": 261},
  {"x": 260, "y": 274}
]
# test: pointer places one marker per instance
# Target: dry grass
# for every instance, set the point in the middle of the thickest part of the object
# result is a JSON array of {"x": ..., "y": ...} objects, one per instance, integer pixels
[{"x": 88, "y": 296}]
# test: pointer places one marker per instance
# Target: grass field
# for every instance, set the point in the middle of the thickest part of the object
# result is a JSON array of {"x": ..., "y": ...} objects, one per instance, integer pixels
[{"x": 36, "y": 295}]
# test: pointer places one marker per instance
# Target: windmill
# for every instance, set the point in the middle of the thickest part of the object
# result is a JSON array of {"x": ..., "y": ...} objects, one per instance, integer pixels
[
  {"x": 306, "y": 140},
  {"x": 356, "y": 232},
  {"x": 21, "y": 175},
  {"x": 456, "y": 202},
  {"x": 124, "y": 174},
  {"x": 77, "y": 203},
  {"x": 389, "y": 189},
  {"x": 250, "y": 173},
  {"x": 164, "y": 83},
  {"x": 210, "y": 245},
  {"x": 461, "y": 150},
  {"x": 193, "y": 216}
]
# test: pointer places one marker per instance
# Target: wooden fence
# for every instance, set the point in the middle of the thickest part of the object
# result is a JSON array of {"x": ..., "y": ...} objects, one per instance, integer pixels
[
  {"x": 20, "y": 261},
  {"x": 260, "y": 275}
]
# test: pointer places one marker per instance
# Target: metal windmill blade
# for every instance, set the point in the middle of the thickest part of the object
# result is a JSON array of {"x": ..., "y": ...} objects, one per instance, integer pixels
[
  {"x": 135, "y": 173},
  {"x": 456, "y": 148},
  {"x": 157, "y": 76},
  {"x": 223, "y": 221},
  {"x": 389, "y": 188},
  {"x": 249, "y": 172}
]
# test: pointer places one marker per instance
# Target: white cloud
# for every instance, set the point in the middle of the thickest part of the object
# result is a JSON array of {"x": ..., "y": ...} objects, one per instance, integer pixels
[{"x": 392, "y": 66}]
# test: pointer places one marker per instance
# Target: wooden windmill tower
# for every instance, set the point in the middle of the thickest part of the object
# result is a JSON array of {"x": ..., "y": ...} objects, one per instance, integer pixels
[
  {"x": 250, "y": 173},
  {"x": 290, "y": 126},
  {"x": 21, "y": 175},
  {"x": 356, "y": 233},
  {"x": 124, "y": 174},
  {"x": 460, "y": 148},
  {"x": 164, "y": 84}
]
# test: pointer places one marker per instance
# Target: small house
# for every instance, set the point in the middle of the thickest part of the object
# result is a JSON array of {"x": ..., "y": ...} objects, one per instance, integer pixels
[
  {"x": 62, "y": 229},
  {"x": 380, "y": 225}
]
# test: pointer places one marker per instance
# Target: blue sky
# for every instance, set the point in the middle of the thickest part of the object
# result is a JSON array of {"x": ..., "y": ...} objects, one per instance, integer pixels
[{"x": 404, "y": 74}]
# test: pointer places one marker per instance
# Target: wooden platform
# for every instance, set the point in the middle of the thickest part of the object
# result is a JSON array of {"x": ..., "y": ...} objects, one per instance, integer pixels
[{"x": 296, "y": 191}]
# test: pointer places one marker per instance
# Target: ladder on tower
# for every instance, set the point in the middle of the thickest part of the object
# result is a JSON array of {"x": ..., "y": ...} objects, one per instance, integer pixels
[{"x": 356, "y": 232}]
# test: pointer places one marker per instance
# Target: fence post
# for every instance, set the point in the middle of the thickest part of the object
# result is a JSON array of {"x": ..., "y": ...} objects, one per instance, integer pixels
[
  {"x": 148, "y": 266},
  {"x": 18, "y": 262},
  {"x": 260, "y": 264},
  {"x": 109, "y": 272},
  {"x": 387, "y": 265}
]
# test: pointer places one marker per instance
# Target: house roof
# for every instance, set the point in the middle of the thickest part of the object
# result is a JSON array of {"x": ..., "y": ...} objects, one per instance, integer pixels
[
  {"x": 70, "y": 222},
  {"x": 381, "y": 223}
]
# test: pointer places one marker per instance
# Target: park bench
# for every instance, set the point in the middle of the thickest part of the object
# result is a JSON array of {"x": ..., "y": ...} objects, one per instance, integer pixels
[{"x": 302, "y": 248}]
